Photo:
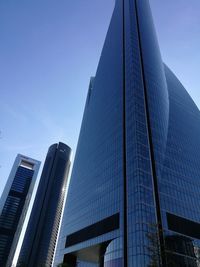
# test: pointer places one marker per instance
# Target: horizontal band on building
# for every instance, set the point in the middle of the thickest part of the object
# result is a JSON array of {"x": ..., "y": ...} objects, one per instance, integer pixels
[
  {"x": 102, "y": 227},
  {"x": 183, "y": 226}
]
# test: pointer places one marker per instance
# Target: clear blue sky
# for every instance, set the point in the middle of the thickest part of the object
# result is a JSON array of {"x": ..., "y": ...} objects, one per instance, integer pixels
[{"x": 48, "y": 51}]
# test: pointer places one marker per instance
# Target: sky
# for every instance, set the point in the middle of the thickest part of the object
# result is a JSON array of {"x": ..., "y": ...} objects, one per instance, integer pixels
[{"x": 48, "y": 51}]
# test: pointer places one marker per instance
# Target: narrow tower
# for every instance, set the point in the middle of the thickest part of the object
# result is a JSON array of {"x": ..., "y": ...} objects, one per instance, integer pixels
[
  {"x": 41, "y": 234},
  {"x": 14, "y": 204}
]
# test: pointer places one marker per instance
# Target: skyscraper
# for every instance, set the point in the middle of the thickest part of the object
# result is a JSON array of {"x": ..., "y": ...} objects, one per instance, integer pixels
[
  {"x": 41, "y": 234},
  {"x": 14, "y": 204},
  {"x": 133, "y": 197}
]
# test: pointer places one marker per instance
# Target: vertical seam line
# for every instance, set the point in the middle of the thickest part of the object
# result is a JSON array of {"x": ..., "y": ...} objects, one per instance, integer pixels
[
  {"x": 155, "y": 180},
  {"x": 124, "y": 142}
]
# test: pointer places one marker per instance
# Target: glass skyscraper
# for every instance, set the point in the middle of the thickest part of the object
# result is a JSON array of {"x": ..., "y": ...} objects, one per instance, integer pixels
[
  {"x": 14, "y": 204},
  {"x": 41, "y": 235},
  {"x": 134, "y": 193}
]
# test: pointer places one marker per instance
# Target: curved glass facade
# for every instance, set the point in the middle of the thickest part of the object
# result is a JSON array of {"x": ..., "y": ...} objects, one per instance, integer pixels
[
  {"x": 132, "y": 198},
  {"x": 179, "y": 182}
]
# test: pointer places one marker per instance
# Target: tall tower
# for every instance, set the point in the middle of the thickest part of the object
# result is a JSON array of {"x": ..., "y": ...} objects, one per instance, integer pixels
[
  {"x": 14, "y": 204},
  {"x": 41, "y": 234},
  {"x": 134, "y": 190}
]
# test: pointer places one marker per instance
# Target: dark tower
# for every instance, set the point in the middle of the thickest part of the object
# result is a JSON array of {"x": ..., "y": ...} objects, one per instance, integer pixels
[
  {"x": 133, "y": 197},
  {"x": 41, "y": 234},
  {"x": 14, "y": 205}
]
